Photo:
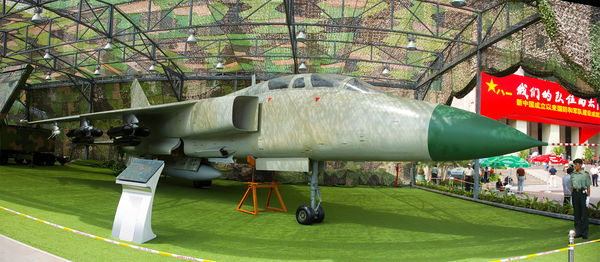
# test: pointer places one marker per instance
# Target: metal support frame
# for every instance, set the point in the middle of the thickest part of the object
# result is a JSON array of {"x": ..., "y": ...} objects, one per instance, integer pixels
[
  {"x": 482, "y": 46},
  {"x": 101, "y": 19},
  {"x": 176, "y": 81}
]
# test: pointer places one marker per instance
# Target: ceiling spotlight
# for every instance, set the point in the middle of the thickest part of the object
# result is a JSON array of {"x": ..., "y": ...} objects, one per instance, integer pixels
[
  {"x": 37, "y": 15},
  {"x": 302, "y": 65},
  {"x": 97, "y": 72},
  {"x": 108, "y": 45},
  {"x": 47, "y": 56},
  {"x": 153, "y": 68},
  {"x": 386, "y": 71},
  {"x": 219, "y": 64},
  {"x": 411, "y": 43},
  {"x": 458, "y": 3},
  {"x": 301, "y": 37},
  {"x": 191, "y": 38},
  {"x": 48, "y": 77}
]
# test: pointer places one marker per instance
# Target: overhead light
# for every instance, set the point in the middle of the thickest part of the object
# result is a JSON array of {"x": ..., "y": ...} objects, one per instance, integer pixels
[
  {"x": 386, "y": 71},
  {"x": 47, "y": 56},
  {"x": 458, "y": 3},
  {"x": 97, "y": 72},
  {"x": 302, "y": 65},
  {"x": 411, "y": 43},
  {"x": 108, "y": 45},
  {"x": 191, "y": 38},
  {"x": 301, "y": 37},
  {"x": 219, "y": 64},
  {"x": 48, "y": 77},
  {"x": 37, "y": 15},
  {"x": 152, "y": 68}
]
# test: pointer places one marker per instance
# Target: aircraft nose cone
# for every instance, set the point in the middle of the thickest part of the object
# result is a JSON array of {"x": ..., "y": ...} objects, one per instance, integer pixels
[{"x": 456, "y": 134}]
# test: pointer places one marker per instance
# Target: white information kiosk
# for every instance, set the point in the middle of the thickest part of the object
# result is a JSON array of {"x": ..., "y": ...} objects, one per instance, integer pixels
[{"x": 133, "y": 218}]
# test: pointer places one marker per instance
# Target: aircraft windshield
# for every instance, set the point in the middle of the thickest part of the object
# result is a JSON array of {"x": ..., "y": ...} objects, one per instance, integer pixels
[{"x": 346, "y": 82}]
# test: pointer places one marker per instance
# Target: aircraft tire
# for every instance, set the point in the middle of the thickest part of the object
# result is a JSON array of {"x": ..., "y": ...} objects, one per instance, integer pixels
[
  {"x": 319, "y": 215},
  {"x": 305, "y": 215}
]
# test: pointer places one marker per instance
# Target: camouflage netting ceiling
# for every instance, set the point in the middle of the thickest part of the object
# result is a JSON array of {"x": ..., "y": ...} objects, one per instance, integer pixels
[{"x": 68, "y": 40}]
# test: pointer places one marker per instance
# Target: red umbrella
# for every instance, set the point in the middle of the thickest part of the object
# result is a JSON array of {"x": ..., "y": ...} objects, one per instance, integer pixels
[{"x": 549, "y": 158}]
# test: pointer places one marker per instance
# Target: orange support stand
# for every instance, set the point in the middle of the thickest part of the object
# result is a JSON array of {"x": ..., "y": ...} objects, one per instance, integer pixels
[{"x": 252, "y": 186}]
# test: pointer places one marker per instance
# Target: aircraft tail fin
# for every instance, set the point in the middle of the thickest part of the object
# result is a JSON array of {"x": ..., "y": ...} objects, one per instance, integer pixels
[{"x": 138, "y": 98}]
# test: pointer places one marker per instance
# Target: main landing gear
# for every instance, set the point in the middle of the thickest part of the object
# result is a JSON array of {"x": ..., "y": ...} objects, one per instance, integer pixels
[{"x": 306, "y": 215}]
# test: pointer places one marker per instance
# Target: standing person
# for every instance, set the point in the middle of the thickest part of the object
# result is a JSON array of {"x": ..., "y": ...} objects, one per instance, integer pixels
[
  {"x": 486, "y": 175},
  {"x": 521, "y": 177},
  {"x": 580, "y": 186},
  {"x": 469, "y": 177},
  {"x": 594, "y": 170},
  {"x": 567, "y": 187},
  {"x": 552, "y": 172},
  {"x": 434, "y": 174}
]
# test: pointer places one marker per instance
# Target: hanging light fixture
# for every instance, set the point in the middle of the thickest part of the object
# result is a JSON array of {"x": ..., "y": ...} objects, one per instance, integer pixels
[
  {"x": 386, "y": 71},
  {"x": 48, "y": 77},
  {"x": 458, "y": 3},
  {"x": 411, "y": 43},
  {"x": 219, "y": 63},
  {"x": 152, "y": 67},
  {"x": 302, "y": 65},
  {"x": 47, "y": 56},
  {"x": 97, "y": 71},
  {"x": 301, "y": 37},
  {"x": 191, "y": 38},
  {"x": 37, "y": 15},
  {"x": 108, "y": 45}
]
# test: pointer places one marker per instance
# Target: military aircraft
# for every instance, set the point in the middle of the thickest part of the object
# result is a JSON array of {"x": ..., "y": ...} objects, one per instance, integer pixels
[{"x": 295, "y": 122}]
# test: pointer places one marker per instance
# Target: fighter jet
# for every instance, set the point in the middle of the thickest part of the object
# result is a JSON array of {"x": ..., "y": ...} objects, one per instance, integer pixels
[{"x": 295, "y": 122}]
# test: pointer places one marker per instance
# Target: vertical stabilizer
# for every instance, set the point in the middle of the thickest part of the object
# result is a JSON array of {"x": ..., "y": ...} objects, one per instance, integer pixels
[
  {"x": 10, "y": 82},
  {"x": 138, "y": 98}
]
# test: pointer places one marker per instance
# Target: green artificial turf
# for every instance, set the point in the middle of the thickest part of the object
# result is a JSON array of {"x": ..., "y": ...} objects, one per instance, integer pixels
[{"x": 361, "y": 223}]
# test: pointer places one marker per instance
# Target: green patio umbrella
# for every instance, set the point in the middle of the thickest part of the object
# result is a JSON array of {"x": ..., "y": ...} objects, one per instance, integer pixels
[{"x": 504, "y": 161}]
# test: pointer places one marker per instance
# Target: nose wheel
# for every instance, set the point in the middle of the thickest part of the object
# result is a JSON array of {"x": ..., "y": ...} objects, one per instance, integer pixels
[{"x": 305, "y": 214}]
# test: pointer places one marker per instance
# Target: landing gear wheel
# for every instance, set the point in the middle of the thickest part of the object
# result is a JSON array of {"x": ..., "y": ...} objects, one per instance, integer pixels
[
  {"x": 203, "y": 184},
  {"x": 319, "y": 215},
  {"x": 305, "y": 215}
]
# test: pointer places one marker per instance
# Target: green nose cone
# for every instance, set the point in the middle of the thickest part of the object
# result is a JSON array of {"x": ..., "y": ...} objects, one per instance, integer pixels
[{"x": 456, "y": 134}]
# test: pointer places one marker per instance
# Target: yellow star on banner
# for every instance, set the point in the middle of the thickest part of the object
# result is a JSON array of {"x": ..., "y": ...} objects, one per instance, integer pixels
[{"x": 491, "y": 85}]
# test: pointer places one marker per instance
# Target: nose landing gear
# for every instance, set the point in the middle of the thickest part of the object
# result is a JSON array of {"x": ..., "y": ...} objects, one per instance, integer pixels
[{"x": 307, "y": 215}]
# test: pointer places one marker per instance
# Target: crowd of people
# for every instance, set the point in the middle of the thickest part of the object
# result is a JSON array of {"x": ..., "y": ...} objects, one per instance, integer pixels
[{"x": 576, "y": 184}]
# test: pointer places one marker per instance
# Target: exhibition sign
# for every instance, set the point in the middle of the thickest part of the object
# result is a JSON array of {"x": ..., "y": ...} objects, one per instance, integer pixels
[{"x": 530, "y": 99}]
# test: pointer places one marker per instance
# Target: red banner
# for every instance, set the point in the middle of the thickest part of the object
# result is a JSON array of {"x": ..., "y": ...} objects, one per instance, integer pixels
[{"x": 531, "y": 99}]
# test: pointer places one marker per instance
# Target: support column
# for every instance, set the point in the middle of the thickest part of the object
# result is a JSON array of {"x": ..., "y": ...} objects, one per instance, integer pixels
[
  {"x": 576, "y": 151},
  {"x": 550, "y": 134},
  {"x": 521, "y": 126}
]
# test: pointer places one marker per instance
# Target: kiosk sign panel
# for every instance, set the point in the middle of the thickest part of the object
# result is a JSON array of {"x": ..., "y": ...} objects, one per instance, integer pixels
[{"x": 134, "y": 213}]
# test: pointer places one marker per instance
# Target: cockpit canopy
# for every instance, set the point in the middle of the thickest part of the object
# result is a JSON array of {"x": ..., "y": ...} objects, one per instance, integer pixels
[{"x": 322, "y": 81}]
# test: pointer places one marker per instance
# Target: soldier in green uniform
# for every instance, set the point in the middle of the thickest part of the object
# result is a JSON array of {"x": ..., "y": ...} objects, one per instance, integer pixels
[{"x": 580, "y": 188}]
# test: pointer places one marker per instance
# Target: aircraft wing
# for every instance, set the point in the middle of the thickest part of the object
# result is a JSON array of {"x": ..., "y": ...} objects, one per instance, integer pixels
[{"x": 119, "y": 113}]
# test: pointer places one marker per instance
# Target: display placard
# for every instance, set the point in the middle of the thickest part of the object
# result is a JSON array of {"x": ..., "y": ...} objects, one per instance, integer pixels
[{"x": 140, "y": 170}]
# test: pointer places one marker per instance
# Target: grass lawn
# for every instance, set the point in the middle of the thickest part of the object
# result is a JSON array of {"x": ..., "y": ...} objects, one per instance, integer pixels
[{"x": 361, "y": 223}]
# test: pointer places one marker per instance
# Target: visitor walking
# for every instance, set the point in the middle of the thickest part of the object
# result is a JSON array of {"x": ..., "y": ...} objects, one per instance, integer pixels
[
  {"x": 594, "y": 170},
  {"x": 552, "y": 173},
  {"x": 521, "y": 178},
  {"x": 567, "y": 187},
  {"x": 580, "y": 186}
]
